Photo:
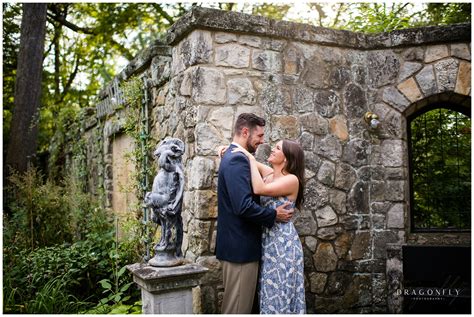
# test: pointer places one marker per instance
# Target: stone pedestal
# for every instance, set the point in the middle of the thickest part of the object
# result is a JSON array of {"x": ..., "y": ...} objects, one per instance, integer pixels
[{"x": 167, "y": 290}]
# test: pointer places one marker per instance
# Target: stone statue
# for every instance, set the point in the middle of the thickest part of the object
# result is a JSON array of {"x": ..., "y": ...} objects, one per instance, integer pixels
[{"x": 165, "y": 200}]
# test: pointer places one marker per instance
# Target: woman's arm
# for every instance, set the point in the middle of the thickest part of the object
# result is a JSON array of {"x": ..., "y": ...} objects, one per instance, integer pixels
[
  {"x": 263, "y": 169},
  {"x": 283, "y": 186}
]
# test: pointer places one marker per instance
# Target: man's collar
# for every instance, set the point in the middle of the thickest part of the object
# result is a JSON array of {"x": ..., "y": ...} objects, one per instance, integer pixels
[
  {"x": 237, "y": 145},
  {"x": 240, "y": 146}
]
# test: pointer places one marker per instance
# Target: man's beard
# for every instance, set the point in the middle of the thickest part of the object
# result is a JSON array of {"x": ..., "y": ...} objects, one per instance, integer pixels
[{"x": 250, "y": 147}]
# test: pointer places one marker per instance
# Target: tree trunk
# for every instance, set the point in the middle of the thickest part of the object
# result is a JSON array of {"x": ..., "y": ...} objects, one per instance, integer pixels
[{"x": 24, "y": 125}]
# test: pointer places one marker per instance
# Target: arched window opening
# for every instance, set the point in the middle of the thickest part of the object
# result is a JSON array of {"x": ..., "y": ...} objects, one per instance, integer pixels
[{"x": 440, "y": 170}]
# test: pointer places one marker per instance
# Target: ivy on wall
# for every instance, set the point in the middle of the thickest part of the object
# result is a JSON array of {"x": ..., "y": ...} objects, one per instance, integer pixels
[{"x": 136, "y": 126}]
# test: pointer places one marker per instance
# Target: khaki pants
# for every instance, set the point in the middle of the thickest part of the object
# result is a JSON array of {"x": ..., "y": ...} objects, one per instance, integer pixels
[{"x": 240, "y": 282}]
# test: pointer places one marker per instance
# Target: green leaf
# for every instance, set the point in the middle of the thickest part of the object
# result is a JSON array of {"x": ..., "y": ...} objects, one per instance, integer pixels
[
  {"x": 117, "y": 297},
  {"x": 126, "y": 298},
  {"x": 104, "y": 301},
  {"x": 122, "y": 270},
  {"x": 121, "y": 309},
  {"x": 105, "y": 284},
  {"x": 126, "y": 287}
]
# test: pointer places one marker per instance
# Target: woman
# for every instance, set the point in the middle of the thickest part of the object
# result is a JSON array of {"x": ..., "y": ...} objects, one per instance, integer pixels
[{"x": 281, "y": 282}]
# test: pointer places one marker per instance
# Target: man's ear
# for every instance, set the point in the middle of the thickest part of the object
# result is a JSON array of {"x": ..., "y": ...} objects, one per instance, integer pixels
[{"x": 245, "y": 132}]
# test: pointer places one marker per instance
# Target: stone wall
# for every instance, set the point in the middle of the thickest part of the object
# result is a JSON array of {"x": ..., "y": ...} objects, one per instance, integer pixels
[
  {"x": 314, "y": 85},
  {"x": 107, "y": 122}
]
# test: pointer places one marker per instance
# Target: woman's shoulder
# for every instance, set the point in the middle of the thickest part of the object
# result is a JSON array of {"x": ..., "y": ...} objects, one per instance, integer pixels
[
  {"x": 287, "y": 179},
  {"x": 291, "y": 178}
]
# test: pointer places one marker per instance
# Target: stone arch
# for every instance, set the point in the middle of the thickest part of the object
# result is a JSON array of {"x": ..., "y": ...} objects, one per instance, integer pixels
[
  {"x": 443, "y": 75},
  {"x": 456, "y": 101},
  {"x": 449, "y": 100}
]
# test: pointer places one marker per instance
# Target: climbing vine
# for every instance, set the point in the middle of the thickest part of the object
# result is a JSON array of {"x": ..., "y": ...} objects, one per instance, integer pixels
[{"x": 136, "y": 126}]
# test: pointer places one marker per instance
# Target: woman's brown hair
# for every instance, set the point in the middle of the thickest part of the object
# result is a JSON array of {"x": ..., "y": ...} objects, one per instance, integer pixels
[{"x": 294, "y": 155}]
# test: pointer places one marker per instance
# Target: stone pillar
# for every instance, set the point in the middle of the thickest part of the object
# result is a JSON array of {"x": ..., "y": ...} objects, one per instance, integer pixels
[
  {"x": 167, "y": 290},
  {"x": 394, "y": 278}
]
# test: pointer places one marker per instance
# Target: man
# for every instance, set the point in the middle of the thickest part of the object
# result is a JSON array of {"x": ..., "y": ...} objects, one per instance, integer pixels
[{"x": 240, "y": 218}]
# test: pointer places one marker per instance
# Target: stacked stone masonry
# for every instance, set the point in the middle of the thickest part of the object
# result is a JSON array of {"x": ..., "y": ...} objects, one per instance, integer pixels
[{"x": 314, "y": 85}]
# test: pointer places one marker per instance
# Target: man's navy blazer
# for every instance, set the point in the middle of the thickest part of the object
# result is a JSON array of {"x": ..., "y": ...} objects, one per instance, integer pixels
[{"x": 240, "y": 217}]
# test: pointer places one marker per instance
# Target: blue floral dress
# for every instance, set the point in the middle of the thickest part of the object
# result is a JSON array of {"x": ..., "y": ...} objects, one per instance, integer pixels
[{"x": 281, "y": 282}]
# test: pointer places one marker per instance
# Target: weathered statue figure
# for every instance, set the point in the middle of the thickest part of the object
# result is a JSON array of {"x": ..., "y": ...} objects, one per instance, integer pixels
[{"x": 165, "y": 200}]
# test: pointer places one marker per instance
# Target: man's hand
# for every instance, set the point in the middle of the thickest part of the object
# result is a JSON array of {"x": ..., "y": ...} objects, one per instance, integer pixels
[{"x": 284, "y": 215}]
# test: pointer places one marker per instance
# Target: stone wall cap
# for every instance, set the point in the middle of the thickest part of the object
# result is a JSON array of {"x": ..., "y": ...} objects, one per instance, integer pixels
[
  {"x": 147, "y": 272},
  {"x": 460, "y": 32},
  {"x": 229, "y": 21}
]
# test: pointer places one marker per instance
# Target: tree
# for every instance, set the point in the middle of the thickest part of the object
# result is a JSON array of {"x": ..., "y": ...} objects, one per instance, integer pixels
[
  {"x": 24, "y": 125},
  {"x": 80, "y": 57},
  {"x": 384, "y": 17},
  {"x": 381, "y": 17},
  {"x": 11, "y": 40},
  {"x": 273, "y": 11},
  {"x": 448, "y": 13}
]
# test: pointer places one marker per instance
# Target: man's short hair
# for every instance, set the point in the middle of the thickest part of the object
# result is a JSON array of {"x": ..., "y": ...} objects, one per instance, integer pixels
[{"x": 248, "y": 120}]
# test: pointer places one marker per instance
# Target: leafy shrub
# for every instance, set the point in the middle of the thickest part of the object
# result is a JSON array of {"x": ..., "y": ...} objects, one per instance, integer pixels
[
  {"x": 80, "y": 266},
  {"x": 119, "y": 296},
  {"x": 44, "y": 214},
  {"x": 83, "y": 267},
  {"x": 52, "y": 299},
  {"x": 60, "y": 249},
  {"x": 35, "y": 208},
  {"x": 116, "y": 296}
]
